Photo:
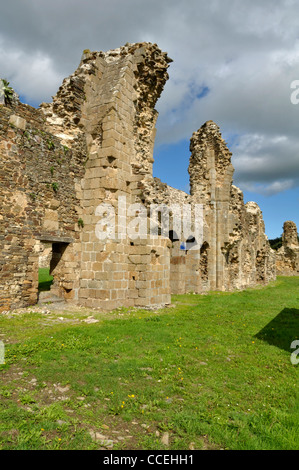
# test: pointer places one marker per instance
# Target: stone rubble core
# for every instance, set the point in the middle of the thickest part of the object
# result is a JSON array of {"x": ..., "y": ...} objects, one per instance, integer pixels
[
  {"x": 92, "y": 144},
  {"x": 287, "y": 257}
]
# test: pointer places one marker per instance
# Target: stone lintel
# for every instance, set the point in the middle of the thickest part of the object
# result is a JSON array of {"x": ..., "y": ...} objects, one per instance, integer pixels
[{"x": 53, "y": 238}]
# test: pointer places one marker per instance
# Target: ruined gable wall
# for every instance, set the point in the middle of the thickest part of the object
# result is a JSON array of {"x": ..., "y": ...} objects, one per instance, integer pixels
[{"x": 235, "y": 252}]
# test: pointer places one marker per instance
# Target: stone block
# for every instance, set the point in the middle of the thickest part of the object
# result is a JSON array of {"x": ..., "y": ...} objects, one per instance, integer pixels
[{"x": 18, "y": 122}]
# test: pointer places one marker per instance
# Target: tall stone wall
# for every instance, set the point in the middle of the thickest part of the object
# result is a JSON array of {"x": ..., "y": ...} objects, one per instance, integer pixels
[
  {"x": 118, "y": 120},
  {"x": 93, "y": 146},
  {"x": 239, "y": 252}
]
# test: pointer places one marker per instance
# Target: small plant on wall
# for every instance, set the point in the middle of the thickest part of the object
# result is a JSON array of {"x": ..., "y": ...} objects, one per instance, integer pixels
[
  {"x": 80, "y": 223},
  {"x": 50, "y": 144},
  {"x": 55, "y": 187},
  {"x": 6, "y": 92}
]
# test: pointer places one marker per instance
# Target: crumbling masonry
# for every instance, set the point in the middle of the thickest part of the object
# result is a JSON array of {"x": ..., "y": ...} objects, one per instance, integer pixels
[
  {"x": 287, "y": 257},
  {"x": 91, "y": 145}
]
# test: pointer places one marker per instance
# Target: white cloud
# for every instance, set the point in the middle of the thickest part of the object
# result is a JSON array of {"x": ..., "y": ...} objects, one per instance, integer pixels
[
  {"x": 266, "y": 164},
  {"x": 269, "y": 189},
  {"x": 33, "y": 75}
]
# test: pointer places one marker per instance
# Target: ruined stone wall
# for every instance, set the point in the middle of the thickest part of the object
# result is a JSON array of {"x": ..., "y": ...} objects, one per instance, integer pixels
[
  {"x": 234, "y": 252},
  {"x": 92, "y": 145},
  {"x": 287, "y": 257}
]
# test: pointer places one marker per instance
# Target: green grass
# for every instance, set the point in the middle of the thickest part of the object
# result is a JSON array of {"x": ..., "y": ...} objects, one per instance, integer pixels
[
  {"x": 213, "y": 371},
  {"x": 44, "y": 279}
]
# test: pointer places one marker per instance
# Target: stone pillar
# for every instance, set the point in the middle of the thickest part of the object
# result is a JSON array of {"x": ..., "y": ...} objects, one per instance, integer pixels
[
  {"x": 211, "y": 173},
  {"x": 290, "y": 235}
]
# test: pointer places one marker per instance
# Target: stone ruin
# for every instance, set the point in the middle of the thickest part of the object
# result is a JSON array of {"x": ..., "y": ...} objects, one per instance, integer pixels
[
  {"x": 91, "y": 145},
  {"x": 287, "y": 257}
]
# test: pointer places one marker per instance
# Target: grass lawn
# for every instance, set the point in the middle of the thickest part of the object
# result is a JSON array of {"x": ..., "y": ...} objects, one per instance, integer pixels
[
  {"x": 44, "y": 279},
  {"x": 210, "y": 372}
]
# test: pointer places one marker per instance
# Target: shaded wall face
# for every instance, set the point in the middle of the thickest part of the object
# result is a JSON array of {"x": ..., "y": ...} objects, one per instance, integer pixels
[
  {"x": 177, "y": 269},
  {"x": 234, "y": 253}
]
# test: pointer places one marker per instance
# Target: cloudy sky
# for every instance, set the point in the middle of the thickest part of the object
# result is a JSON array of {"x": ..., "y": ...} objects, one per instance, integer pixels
[{"x": 234, "y": 62}]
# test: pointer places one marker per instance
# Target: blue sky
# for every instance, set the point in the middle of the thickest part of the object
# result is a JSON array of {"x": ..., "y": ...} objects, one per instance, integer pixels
[{"x": 233, "y": 62}]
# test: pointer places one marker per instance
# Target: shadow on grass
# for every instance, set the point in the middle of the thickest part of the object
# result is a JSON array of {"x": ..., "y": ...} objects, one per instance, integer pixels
[
  {"x": 45, "y": 280},
  {"x": 44, "y": 286},
  {"x": 282, "y": 330}
]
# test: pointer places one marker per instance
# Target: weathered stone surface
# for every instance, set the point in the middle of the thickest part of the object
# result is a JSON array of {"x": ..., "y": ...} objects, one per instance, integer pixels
[
  {"x": 287, "y": 257},
  {"x": 17, "y": 121},
  {"x": 290, "y": 235}
]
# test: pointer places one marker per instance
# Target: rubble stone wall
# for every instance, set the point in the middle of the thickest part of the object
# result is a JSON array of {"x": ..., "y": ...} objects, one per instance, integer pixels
[{"x": 38, "y": 202}]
